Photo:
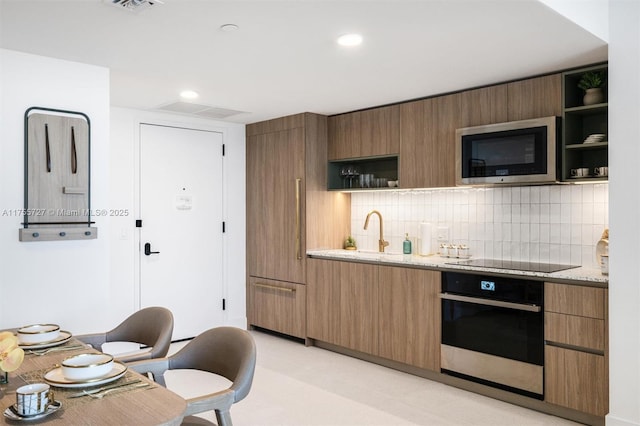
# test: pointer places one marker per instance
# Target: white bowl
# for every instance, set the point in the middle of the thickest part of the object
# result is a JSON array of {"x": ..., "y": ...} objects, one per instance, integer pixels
[
  {"x": 86, "y": 366},
  {"x": 38, "y": 333}
]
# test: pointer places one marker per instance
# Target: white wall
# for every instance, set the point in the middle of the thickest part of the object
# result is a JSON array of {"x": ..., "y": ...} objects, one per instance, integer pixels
[
  {"x": 62, "y": 282},
  {"x": 124, "y": 166},
  {"x": 624, "y": 204},
  {"x": 91, "y": 285}
]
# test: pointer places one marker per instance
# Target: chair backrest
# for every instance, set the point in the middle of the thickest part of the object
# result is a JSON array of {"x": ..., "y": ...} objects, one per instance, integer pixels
[
  {"x": 150, "y": 326},
  {"x": 226, "y": 351}
]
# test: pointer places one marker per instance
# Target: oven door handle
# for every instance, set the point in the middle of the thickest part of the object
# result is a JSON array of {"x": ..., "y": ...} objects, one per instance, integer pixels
[{"x": 490, "y": 302}]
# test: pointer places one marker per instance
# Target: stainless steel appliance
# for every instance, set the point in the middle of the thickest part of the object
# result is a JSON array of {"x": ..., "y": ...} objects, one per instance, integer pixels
[
  {"x": 493, "y": 331},
  {"x": 508, "y": 153}
]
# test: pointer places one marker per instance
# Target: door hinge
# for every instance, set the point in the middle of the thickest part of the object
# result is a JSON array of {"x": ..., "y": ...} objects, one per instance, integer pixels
[
  {"x": 223, "y": 150},
  {"x": 138, "y": 223},
  {"x": 224, "y": 227},
  {"x": 224, "y": 304}
]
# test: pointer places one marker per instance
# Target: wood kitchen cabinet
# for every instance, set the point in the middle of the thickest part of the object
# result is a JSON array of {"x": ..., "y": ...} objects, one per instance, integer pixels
[
  {"x": 409, "y": 318},
  {"x": 535, "y": 97},
  {"x": 369, "y": 133},
  {"x": 487, "y": 105},
  {"x": 427, "y": 142},
  {"x": 278, "y": 306},
  {"x": 576, "y": 350},
  {"x": 390, "y": 312},
  {"x": 342, "y": 304},
  {"x": 288, "y": 210}
]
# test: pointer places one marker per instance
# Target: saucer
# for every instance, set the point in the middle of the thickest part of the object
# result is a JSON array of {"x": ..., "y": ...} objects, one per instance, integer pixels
[
  {"x": 62, "y": 337},
  {"x": 54, "y": 377},
  {"x": 12, "y": 412}
]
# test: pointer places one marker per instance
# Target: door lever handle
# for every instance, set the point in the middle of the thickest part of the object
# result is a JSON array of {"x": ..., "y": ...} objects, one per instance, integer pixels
[{"x": 147, "y": 250}]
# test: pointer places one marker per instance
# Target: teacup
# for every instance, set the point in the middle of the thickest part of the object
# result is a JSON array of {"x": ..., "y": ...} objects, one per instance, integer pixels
[
  {"x": 580, "y": 172},
  {"x": 33, "y": 399},
  {"x": 601, "y": 171}
]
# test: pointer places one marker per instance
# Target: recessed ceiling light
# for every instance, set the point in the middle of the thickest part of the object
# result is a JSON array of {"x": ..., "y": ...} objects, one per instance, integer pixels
[
  {"x": 229, "y": 27},
  {"x": 188, "y": 94},
  {"x": 350, "y": 40}
]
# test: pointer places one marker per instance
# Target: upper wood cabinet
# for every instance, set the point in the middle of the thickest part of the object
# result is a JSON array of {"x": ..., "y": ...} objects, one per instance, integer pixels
[
  {"x": 487, "y": 105},
  {"x": 369, "y": 133},
  {"x": 535, "y": 97},
  {"x": 427, "y": 142}
]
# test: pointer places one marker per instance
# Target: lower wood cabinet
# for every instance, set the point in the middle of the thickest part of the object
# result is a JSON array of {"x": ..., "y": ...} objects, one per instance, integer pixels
[
  {"x": 342, "y": 304},
  {"x": 278, "y": 306},
  {"x": 409, "y": 318},
  {"x": 577, "y": 380},
  {"x": 390, "y": 312},
  {"x": 576, "y": 350}
]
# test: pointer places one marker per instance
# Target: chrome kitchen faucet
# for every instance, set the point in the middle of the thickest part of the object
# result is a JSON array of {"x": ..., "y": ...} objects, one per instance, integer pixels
[{"x": 381, "y": 242}]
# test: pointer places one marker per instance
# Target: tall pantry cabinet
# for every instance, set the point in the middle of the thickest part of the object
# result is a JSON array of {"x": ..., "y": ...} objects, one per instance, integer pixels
[{"x": 288, "y": 211}]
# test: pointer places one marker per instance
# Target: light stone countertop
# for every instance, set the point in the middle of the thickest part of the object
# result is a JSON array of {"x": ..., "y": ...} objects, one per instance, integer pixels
[{"x": 581, "y": 275}]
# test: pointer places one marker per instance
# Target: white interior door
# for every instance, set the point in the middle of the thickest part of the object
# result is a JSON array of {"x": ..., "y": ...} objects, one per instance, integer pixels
[{"x": 181, "y": 233}]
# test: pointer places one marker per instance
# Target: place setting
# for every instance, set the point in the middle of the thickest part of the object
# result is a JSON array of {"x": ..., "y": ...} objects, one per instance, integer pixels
[
  {"x": 41, "y": 336},
  {"x": 87, "y": 374}
]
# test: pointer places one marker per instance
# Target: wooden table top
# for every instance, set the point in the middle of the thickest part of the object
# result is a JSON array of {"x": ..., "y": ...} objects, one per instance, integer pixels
[{"x": 153, "y": 405}]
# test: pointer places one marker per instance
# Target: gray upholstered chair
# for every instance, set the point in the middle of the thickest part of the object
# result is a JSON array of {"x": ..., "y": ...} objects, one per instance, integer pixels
[
  {"x": 226, "y": 351},
  {"x": 152, "y": 327}
]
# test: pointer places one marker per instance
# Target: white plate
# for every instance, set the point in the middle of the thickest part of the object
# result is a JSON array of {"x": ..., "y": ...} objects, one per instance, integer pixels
[
  {"x": 12, "y": 413},
  {"x": 54, "y": 377},
  {"x": 62, "y": 338}
]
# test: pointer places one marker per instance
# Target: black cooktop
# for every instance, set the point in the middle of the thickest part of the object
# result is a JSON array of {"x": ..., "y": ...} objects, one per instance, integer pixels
[{"x": 519, "y": 265}]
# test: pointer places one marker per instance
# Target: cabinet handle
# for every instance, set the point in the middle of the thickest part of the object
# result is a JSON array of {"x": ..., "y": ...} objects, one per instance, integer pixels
[
  {"x": 298, "y": 242},
  {"x": 273, "y": 287},
  {"x": 490, "y": 302}
]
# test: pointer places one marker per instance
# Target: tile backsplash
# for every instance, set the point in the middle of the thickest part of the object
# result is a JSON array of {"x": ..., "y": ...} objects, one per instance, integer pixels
[{"x": 552, "y": 223}]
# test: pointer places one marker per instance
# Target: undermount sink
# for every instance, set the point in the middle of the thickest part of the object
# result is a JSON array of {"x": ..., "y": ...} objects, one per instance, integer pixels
[{"x": 372, "y": 254}]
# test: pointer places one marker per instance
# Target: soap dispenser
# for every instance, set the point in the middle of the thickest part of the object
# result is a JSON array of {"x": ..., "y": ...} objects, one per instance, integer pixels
[{"x": 406, "y": 245}]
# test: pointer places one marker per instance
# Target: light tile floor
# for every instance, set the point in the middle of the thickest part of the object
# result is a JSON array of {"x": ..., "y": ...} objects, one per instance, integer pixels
[{"x": 297, "y": 385}]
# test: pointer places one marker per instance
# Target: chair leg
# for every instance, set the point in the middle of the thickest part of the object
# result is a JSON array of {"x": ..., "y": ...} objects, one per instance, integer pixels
[{"x": 224, "y": 418}]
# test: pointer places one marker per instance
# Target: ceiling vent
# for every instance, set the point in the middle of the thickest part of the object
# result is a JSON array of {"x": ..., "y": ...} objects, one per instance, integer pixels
[
  {"x": 133, "y": 5},
  {"x": 205, "y": 111}
]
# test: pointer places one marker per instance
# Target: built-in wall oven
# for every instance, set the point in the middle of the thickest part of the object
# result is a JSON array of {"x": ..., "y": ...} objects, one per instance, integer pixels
[{"x": 493, "y": 331}]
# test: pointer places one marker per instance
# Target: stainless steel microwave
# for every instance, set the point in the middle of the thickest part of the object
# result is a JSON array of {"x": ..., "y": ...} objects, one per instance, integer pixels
[{"x": 507, "y": 153}]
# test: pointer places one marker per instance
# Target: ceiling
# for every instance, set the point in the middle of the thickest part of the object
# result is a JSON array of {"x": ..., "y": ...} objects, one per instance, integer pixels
[{"x": 283, "y": 59}]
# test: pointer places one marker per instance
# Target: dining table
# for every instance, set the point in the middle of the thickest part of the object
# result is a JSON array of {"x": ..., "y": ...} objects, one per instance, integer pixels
[{"x": 143, "y": 402}]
